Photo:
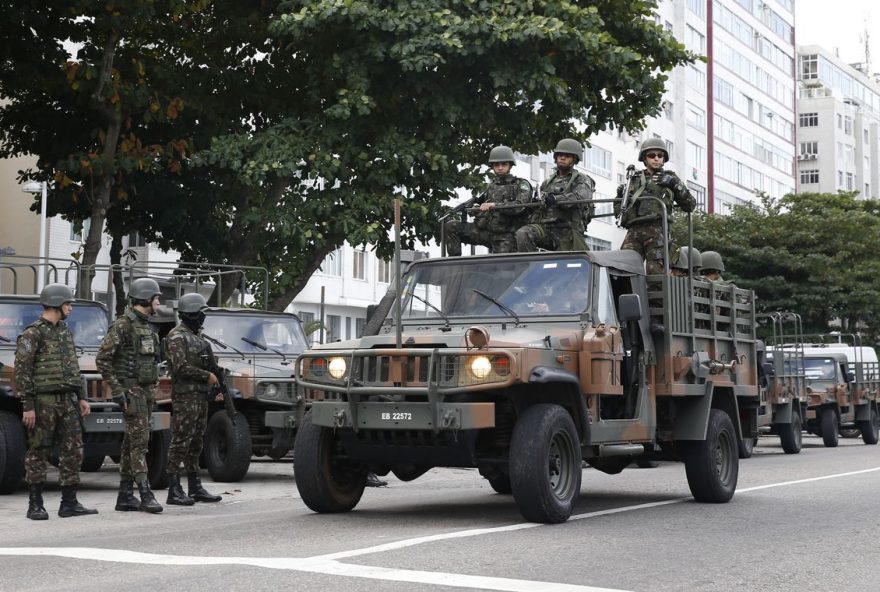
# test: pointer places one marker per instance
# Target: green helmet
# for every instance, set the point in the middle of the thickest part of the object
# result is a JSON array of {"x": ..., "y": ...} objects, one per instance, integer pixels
[
  {"x": 696, "y": 261},
  {"x": 144, "y": 289},
  {"x": 712, "y": 262},
  {"x": 55, "y": 295},
  {"x": 501, "y": 154},
  {"x": 191, "y": 303},
  {"x": 569, "y": 146},
  {"x": 681, "y": 259},
  {"x": 653, "y": 144}
]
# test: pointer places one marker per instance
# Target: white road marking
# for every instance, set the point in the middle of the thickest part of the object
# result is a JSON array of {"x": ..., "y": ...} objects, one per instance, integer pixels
[{"x": 328, "y": 564}]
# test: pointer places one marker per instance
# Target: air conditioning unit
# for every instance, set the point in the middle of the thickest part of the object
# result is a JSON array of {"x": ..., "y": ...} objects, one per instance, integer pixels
[{"x": 807, "y": 156}]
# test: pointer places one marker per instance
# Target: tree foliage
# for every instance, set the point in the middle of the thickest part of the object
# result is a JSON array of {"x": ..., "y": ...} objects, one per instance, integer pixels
[
  {"x": 809, "y": 253},
  {"x": 307, "y": 118}
]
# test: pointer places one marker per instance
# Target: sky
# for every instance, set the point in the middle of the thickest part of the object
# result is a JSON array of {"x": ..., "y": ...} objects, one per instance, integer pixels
[{"x": 841, "y": 25}]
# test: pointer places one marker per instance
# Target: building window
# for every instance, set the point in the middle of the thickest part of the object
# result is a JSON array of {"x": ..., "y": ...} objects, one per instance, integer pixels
[
  {"x": 850, "y": 181},
  {"x": 694, "y": 40},
  {"x": 670, "y": 148},
  {"x": 383, "y": 271},
  {"x": 667, "y": 110},
  {"x": 810, "y": 176},
  {"x": 136, "y": 240},
  {"x": 809, "y": 119},
  {"x": 79, "y": 229},
  {"x": 597, "y": 244},
  {"x": 809, "y": 148},
  {"x": 840, "y": 178},
  {"x": 698, "y": 7},
  {"x": 306, "y": 317},
  {"x": 696, "y": 155},
  {"x": 695, "y": 116},
  {"x": 696, "y": 79},
  {"x": 598, "y": 160},
  {"x": 334, "y": 328},
  {"x": 839, "y": 121},
  {"x": 699, "y": 193},
  {"x": 359, "y": 267},
  {"x": 332, "y": 264},
  {"x": 848, "y": 125},
  {"x": 359, "y": 325}
]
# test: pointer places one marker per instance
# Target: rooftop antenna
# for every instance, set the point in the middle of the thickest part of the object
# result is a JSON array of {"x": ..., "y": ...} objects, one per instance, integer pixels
[{"x": 867, "y": 39}]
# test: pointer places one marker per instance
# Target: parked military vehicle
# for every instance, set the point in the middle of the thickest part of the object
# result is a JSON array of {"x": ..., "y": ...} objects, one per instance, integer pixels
[
  {"x": 843, "y": 386},
  {"x": 523, "y": 365},
  {"x": 102, "y": 429}
]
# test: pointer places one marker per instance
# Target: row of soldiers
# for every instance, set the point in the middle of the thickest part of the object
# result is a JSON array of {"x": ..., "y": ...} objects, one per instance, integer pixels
[
  {"x": 557, "y": 219},
  {"x": 47, "y": 377}
]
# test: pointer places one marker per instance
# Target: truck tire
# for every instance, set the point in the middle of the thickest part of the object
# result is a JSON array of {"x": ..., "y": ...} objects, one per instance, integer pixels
[
  {"x": 500, "y": 483},
  {"x": 92, "y": 463},
  {"x": 828, "y": 423},
  {"x": 157, "y": 459},
  {"x": 746, "y": 447},
  {"x": 13, "y": 446},
  {"x": 227, "y": 447},
  {"x": 791, "y": 436},
  {"x": 712, "y": 465},
  {"x": 327, "y": 484},
  {"x": 545, "y": 464},
  {"x": 871, "y": 428}
]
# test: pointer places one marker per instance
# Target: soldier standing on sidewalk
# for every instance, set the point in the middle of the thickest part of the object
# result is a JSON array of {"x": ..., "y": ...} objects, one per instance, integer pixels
[
  {"x": 48, "y": 379},
  {"x": 128, "y": 361},
  {"x": 193, "y": 374}
]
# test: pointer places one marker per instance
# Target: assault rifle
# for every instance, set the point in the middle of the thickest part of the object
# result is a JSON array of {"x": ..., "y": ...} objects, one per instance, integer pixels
[
  {"x": 625, "y": 202},
  {"x": 465, "y": 205},
  {"x": 222, "y": 389}
]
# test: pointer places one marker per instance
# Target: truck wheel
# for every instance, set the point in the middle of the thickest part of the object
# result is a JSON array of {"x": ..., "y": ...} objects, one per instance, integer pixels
[
  {"x": 712, "y": 465},
  {"x": 829, "y": 427},
  {"x": 545, "y": 464},
  {"x": 746, "y": 447},
  {"x": 157, "y": 459},
  {"x": 327, "y": 483},
  {"x": 227, "y": 447},
  {"x": 870, "y": 428},
  {"x": 92, "y": 463},
  {"x": 791, "y": 435},
  {"x": 12, "y": 449},
  {"x": 500, "y": 483}
]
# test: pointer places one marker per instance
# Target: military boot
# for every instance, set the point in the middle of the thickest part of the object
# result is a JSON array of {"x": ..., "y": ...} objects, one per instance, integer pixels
[
  {"x": 197, "y": 492},
  {"x": 176, "y": 497},
  {"x": 148, "y": 500},
  {"x": 125, "y": 499},
  {"x": 70, "y": 506},
  {"x": 36, "y": 511}
]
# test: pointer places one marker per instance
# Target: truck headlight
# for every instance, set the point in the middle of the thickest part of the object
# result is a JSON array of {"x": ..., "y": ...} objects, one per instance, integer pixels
[
  {"x": 336, "y": 368},
  {"x": 480, "y": 366},
  {"x": 270, "y": 390}
]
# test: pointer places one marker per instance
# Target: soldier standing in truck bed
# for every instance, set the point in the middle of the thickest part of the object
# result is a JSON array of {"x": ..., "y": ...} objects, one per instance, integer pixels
[
  {"x": 128, "y": 361},
  {"x": 48, "y": 380}
]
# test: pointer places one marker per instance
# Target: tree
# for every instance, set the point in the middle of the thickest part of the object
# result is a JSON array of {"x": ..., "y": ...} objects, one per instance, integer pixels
[
  {"x": 809, "y": 253},
  {"x": 309, "y": 117}
]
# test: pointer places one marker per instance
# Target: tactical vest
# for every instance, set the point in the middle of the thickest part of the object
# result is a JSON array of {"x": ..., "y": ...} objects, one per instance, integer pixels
[
  {"x": 136, "y": 362},
  {"x": 645, "y": 211},
  {"x": 198, "y": 354},
  {"x": 502, "y": 191},
  {"x": 559, "y": 215},
  {"x": 55, "y": 366}
]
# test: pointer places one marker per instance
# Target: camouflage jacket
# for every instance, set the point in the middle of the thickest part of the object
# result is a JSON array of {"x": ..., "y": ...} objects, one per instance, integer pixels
[
  {"x": 45, "y": 362},
  {"x": 648, "y": 211},
  {"x": 575, "y": 186},
  {"x": 505, "y": 189},
  {"x": 129, "y": 353},
  {"x": 191, "y": 360}
]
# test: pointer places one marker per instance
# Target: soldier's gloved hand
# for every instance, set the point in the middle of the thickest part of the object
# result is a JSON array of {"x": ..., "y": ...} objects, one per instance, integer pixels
[
  {"x": 667, "y": 180},
  {"x": 550, "y": 199},
  {"x": 620, "y": 192}
]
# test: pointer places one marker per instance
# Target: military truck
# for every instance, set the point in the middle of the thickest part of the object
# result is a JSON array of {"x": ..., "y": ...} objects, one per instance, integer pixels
[
  {"x": 102, "y": 429},
  {"x": 258, "y": 349},
  {"x": 523, "y": 365},
  {"x": 843, "y": 387}
]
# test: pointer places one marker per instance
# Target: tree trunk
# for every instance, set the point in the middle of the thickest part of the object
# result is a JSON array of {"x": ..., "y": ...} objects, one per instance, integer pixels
[{"x": 115, "y": 269}]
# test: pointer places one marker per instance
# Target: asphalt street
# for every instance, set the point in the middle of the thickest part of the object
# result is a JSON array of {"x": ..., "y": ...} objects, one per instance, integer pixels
[{"x": 798, "y": 522}]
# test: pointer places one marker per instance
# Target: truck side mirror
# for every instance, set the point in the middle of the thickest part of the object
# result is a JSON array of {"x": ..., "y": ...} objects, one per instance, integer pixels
[
  {"x": 850, "y": 377},
  {"x": 629, "y": 307}
]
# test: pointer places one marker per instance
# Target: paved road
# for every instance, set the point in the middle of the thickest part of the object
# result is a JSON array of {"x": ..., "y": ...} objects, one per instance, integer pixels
[{"x": 804, "y": 522}]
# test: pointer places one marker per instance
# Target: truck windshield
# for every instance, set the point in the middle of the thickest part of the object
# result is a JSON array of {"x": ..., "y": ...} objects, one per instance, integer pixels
[
  {"x": 820, "y": 370},
  {"x": 87, "y": 322},
  {"x": 281, "y": 332},
  {"x": 550, "y": 286}
]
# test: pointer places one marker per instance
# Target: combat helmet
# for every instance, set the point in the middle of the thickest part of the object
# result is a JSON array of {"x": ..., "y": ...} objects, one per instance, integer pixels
[
  {"x": 681, "y": 259},
  {"x": 144, "y": 289},
  {"x": 712, "y": 262},
  {"x": 501, "y": 154},
  {"x": 696, "y": 261},
  {"x": 570, "y": 146},
  {"x": 55, "y": 295},
  {"x": 653, "y": 144},
  {"x": 191, "y": 303}
]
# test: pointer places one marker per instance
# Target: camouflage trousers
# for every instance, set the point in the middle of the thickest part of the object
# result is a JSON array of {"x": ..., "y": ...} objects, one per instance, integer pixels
[
  {"x": 57, "y": 424},
  {"x": 531, "y": 237},
  {"x": 188, "y": 422},
  {"x": 136, "y": 441},
  {"x": 498, "y": 241},
  {"x": 647, "y": 240}
]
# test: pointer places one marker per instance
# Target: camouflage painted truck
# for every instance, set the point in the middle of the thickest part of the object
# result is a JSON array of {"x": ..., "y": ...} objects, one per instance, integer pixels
[
  {"x": 843, "y": 388},
  {"x": 257, "y": 348},
  {"x": 102, "y": 429},
  {"x": 523, "y": 365}
]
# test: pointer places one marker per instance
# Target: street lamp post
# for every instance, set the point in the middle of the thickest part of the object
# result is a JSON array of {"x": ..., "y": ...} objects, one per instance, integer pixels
[{"x": 42, "y": 188}]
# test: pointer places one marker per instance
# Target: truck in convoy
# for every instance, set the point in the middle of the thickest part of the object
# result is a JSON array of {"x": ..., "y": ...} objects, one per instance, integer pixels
[{"x": 523, "y": 366}]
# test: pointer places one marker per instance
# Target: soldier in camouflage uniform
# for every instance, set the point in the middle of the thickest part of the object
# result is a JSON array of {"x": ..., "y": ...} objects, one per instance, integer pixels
[
  {"x": 494, "y": 229},
  {"x": 48, "y": 380},
  {"x": 193, "y": 374},
  {"x": 128, "y": 361},
  {"x": 559, "y": 224},
  {"x": 712, "y": 266},
  {"x": 643, "y": 218}
]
